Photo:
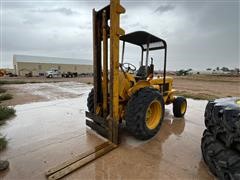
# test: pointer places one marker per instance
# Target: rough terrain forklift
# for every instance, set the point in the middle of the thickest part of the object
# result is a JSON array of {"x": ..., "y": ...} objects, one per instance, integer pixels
[
  {"x": 121, "y": 93},
  {"x": 125, "y": 93}
]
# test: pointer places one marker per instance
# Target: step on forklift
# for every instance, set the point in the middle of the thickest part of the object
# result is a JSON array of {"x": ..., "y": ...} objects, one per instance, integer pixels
[{"x": 121, "y": 92}]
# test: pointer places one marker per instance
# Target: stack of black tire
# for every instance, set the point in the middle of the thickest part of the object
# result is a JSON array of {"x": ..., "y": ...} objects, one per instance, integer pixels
[{"x": 221, "y": 140}]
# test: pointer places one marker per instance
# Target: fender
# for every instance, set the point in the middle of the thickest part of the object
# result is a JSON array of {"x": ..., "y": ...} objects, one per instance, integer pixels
[{"x": 139, "y": 85}]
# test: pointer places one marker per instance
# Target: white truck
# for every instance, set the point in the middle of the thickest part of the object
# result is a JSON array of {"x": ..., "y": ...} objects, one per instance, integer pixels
[{"x": 52, "y": 73}]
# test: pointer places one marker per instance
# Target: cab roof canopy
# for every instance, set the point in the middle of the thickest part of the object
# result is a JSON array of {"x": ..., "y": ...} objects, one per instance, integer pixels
[{"x": 142, "y": 38}]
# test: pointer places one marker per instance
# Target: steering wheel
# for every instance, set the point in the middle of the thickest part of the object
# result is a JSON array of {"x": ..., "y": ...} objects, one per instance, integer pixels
[{"x": 128, "y": 66}]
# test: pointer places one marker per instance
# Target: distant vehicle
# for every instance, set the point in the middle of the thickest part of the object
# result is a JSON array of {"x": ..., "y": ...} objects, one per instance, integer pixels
[
  {"x": 86, "y": 74},
  {"x": 53, "y": 73},
  {"x": 221, "y": 72},
  {"x": 29, "y": 74},
  {"x": 183, "y": 72},
  {"x": 69, "y": 74},
  {"x": 41, "y": 74},
  {"x": 11, "y": 74}
]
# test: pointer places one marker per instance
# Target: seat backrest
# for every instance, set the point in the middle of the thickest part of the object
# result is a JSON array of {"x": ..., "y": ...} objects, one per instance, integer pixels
[{"x": 141, "y": 71}]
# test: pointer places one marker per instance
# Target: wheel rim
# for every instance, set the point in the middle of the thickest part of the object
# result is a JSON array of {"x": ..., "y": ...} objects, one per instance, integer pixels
[
  {"x": 153, "y": 114},
  {"x": 183, "y": 107}
]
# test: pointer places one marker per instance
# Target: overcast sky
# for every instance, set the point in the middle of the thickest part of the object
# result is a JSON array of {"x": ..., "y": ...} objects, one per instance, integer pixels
[{"x": 199, "y": 34}]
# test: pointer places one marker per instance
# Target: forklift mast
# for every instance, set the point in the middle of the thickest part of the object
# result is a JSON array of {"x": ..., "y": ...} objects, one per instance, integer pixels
[
  {"x": 106, "y": 24},
  {"x": 105, "y": 118}
]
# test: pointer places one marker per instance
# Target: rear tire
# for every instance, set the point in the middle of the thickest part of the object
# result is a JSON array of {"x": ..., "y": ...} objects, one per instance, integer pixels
[
  {"x": 144, "y": 113},
  {"x": 206, "y": 141},
  {"x": 90, "y": 101},
  {"x": 179, "y": 107}
]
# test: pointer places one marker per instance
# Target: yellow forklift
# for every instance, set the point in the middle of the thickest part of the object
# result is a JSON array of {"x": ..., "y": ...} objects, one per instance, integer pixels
[
  {"x": 125, "y": 93},
  {"x": 121, "y": 92}
]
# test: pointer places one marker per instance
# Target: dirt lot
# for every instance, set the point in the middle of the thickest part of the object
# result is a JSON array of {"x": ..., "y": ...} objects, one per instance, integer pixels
[
  {"x": 197, "y": 87},
  {"x": 208, "y": 86}
]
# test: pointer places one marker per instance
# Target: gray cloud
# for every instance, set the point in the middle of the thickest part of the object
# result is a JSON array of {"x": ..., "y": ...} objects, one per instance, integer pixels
[
  {"x": 199, "y": 34},
  {"x": 164, "y": 8},
  {"x": 137, "y": 25},
  {"x": 86, "y": 26},
  {"x": 64, "y": 11}
]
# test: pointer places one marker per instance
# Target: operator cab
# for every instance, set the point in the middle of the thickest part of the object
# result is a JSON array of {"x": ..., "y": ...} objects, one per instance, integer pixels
[{"x": 147, "y": 42}]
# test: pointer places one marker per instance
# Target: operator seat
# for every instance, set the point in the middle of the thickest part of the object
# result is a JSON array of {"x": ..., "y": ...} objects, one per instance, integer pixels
[{"x": 141, "y": 71}]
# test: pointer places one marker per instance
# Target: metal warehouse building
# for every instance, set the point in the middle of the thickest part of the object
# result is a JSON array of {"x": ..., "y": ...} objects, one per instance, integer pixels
[{"x": 38, "y": 65}]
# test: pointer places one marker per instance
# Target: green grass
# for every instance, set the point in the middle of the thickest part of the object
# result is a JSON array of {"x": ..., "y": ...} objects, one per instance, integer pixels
[
  {"x": 3, "y": 142},
  {"x": 12, "y": 82},
  {"x": 4, "y": 97},
  {"x": 2, "y": 90},
  {"x": 197, "y": 96},
  {"x": 5, "y": 113}
]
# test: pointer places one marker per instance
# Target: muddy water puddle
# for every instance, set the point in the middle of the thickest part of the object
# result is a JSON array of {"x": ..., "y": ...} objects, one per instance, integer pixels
[
  {"x": 51, "y": 91},
  {"x": 45, "y": 134}
]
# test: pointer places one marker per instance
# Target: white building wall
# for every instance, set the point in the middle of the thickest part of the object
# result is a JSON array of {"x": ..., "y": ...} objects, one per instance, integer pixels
[{"x": 24, "y": 64}]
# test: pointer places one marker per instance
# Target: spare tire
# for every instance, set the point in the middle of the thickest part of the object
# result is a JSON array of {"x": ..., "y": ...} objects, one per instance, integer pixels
[
  {"x": 222, "y": 118},
  {"x": 207, "y": 141},
  {"x": 222, "y": 161},
  {"x": 208, "y": 114}
]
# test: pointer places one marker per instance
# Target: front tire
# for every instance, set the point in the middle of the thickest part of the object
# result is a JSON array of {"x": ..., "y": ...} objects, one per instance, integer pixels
[
  {"x": 179, "y": 107},
  {"x": 145, "y": 113}
]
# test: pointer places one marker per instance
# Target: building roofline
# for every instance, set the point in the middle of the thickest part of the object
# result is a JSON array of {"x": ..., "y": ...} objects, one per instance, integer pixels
[{"x": 50, "y": 60}]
